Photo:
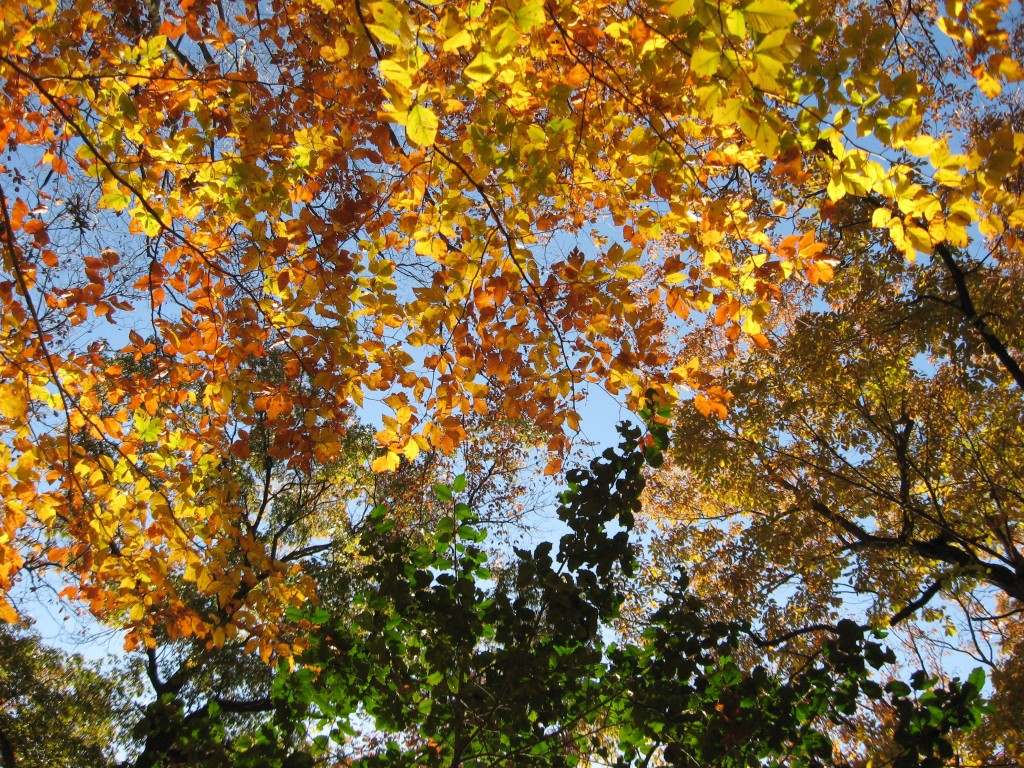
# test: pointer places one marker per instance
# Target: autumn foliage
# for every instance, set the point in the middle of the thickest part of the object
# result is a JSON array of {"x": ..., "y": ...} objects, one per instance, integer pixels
[{"x": 232, "y": 230}]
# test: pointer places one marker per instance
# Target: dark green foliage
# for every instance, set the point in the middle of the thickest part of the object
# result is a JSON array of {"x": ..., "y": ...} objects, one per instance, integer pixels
[
  {"x": 56, "y": 709},
  {"x": 449, "y": 664},
  {"x": 441, "y": 661}
]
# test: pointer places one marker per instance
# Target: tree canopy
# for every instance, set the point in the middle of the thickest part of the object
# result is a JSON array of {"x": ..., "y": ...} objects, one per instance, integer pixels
[
  {"x": 40, "y": 687},
  {"x": 273, "y": 271}
]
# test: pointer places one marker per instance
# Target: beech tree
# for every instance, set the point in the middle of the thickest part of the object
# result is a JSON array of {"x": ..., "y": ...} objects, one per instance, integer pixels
[
  {"x": 231, "y": 227},
  {"x": 361, "y": 189},
  {"x": 881, "y": 475},
  {"x": 434, "y": 661},
  {"x": 418, "y": 203},
  {"x": 869, "y": 460}
]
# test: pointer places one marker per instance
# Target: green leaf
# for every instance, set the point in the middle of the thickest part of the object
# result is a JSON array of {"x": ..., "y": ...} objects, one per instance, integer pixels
[
  {"x": 678, "y": 8},
  {"x": 147, "y": 426},
  {"x": 530, "y": 15},
  {"x": 152, "y": 48},
  {"x": 705, "y": 61},
  {"x": 460, "y": 484},
  {"x": 116, "y": 200},
  {"x": 898, "y": 688},
  {"x": 977, "y": 678}
]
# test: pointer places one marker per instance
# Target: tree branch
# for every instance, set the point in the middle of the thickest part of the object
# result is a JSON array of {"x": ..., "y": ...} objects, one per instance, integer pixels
[
  {"x": 263, "y": 704},
  {"x": 966, "y": 305},
  {"x": 153, "y": 672},
  {"x": 919, "y": 602},
  {"x": 938, "y": 548}
]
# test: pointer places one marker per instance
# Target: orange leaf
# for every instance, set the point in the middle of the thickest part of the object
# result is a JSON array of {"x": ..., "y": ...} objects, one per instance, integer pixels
[{"x": 7, "y": 612}]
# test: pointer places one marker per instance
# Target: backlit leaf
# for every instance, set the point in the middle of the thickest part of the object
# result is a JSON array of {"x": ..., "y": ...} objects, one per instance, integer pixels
[{"x": 421, "y": 126}]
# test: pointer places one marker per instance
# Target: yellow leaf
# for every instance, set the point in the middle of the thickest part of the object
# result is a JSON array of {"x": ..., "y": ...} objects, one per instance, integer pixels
[
  {"x": 387, "y": 463},
  {"x": 573, "y": 419},
  {"x": 880, "y": 217},
  {"x": 482, "y": 68},
  {"x": 919, "y": 239},
  {"x": 529, "y": 15},
  {"x": 461, "y": 39},
  {"x": 396, "y": 72},
  {"x": 765, "y": 138},
  {"x": 835, "y": 188},
  {"x": 921, "y": 146},
  {"x": 767, "y": 15},
  {"x": 678, "y": 8},
  {"x": 385, "y": 35},
  {"x": 989, "y": 85},
  {"x": 1008, "y": 67},
  {"x": 411, "y": 450},
  {"x": 335, "y": 52},
  {"x": 630, "y": 272},
  {"x": 7, "y": 612},
  {"x": 421, "y": 126},
  {"x": 13, "y": 404}
]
